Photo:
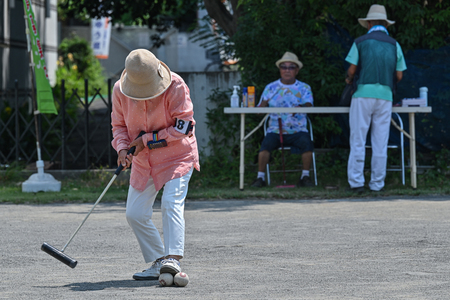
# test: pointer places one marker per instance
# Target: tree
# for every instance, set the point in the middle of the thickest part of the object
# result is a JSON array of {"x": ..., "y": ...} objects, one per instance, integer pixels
[
  {"x": 321, "y": 33},
  {"x": 162, "y": 13},
  {"x": 150, "y": 12},
  {"x": 258, "y": 32},
  {"x": 418, "y": 24},
  {"x": 220, "y": 13},
  {"x": 267, "y": 30},
  {"x": 76, "y": 63}
]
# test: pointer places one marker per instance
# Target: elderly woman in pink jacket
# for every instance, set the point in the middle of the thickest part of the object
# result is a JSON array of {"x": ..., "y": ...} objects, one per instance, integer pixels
[{"x": 150, "y": 98}]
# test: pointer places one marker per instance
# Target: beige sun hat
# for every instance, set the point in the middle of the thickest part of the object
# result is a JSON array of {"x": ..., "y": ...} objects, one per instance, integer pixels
[
  {"x": 376, "y": 12},
  {"x": 289, "y": 57},
  {"x": 145, "y": 77}
]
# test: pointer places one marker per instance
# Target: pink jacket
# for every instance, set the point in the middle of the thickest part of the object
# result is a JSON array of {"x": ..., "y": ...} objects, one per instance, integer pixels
[{"x": 130, "y": 117}]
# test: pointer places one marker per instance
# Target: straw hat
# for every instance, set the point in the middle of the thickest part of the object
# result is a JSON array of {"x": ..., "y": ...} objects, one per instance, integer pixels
[
  {"x": 289, "y": 57},
  {"x": 376, "y": 12},
  {"x": 145, "y": 77}
]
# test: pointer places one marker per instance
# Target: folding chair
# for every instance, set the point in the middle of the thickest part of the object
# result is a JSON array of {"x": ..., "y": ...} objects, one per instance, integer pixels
[
  {"x": 266, "y": 122},
  {"x": 395, "y": 146}
]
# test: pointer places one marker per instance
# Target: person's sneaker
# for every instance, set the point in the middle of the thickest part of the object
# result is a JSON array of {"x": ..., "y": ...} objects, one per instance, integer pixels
[
  {"x": 259, "y": 182},
  {"x": 305, "y": 182},
  {"x": 151, "y": 273},
  {"x": 170, "y": 265}
]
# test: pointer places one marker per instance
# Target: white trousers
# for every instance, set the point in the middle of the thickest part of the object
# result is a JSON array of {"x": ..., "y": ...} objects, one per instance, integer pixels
[
  {"x": 139, "y": 213},
  {"x": 376, "y": 114}
]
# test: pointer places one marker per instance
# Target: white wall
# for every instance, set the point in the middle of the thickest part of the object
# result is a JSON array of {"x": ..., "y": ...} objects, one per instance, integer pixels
[
  {"x": 49, "y": 34},
  {"x": 201, "y": 86},
  {"x": 184, "y": 57},
  {"x": 181, "y": 54},
  {"x": 178, "y": 52}
]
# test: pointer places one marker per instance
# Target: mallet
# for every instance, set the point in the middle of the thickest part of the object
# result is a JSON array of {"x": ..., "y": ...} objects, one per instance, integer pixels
[
  {"x": 280, "y": 126},
  {"x": 59, "y": 254}
]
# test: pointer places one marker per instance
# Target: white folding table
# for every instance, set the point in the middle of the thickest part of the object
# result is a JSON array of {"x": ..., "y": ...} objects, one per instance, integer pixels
[{"x": 411, "y": 111}]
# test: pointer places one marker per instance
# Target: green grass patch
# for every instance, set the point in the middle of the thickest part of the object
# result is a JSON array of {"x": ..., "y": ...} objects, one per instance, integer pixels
[
  {"x": 85, "y": 191},
  {"x": 68, "y": 194},
  {"x": 214, "y": 184}
]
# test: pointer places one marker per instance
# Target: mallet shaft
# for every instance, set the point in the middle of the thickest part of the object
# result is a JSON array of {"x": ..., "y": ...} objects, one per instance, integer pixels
[
  {"x": 59, "y": 254},
  {"x": 98, "y": 200}
]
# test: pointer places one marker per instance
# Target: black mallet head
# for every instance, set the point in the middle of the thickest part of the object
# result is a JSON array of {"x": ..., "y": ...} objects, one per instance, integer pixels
[{"x": 59, "y": 255}]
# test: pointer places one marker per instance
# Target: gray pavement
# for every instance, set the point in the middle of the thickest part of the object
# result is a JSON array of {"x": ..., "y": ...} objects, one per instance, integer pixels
[{"x": 382, "y": 248}]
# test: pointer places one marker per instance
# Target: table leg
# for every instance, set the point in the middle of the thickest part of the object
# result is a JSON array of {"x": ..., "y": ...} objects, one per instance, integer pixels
[
  {"x": 412, "y": 150},
  {"x": 241, "y": 162}
]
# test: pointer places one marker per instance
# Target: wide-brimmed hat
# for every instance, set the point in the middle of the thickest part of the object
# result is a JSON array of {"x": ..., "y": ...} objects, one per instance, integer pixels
[
  {"x": 145, "y": 77},
  {"x": 376, "y": 12},
  {"x": 289, "y": 57}
]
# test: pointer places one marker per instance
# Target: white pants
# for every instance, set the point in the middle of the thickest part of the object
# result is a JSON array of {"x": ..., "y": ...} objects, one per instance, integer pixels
[
  {"x": 376, "y": 114},
  {"x": 139, "y": 216}
]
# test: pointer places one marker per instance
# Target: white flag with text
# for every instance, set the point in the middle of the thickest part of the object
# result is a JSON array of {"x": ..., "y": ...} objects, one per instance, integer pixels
[{"x": 100, "y": 37}]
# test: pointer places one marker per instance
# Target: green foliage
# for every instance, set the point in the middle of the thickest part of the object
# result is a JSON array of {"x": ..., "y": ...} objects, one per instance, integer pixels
[
  {"x": 268, "y": 29},
  {"x": 221, "y": 167},
  {"x": 163, "y": 13},
  {"x": 418, "y": 24},
  {"x": 72, "y": 191},
  {"x": 77, "y": 191},
  {"x": 11, "y": 173},
  {"x": 26, "y": 128},
  {"x": 213, "y": 38},
  {"x": 75, "y": 64},
  {"x": 332, "y": 165},
  {"x": 98, "y": 177},
  {"x": 439, "y": 175}
]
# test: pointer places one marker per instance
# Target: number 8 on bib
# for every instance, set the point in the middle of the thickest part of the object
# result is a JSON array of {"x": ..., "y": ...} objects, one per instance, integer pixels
[{"x": 183, "y": 126}]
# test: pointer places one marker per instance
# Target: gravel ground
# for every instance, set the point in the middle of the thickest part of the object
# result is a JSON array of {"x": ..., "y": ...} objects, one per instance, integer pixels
[{"x": 381, "y": 248}]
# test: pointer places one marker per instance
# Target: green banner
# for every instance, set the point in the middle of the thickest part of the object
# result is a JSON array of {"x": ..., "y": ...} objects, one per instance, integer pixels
[{"x": 44, "y": 94}]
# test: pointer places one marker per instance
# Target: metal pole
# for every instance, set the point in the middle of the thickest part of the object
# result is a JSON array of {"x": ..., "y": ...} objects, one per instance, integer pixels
[
  {"x": 109, "y": 127},
  {"x": 86, "y": 127},
  {"x": 412, "y": 150},
  {"x": 33, "y": 96},
  {"x": 241, "y": 162},
  {"x": 16, "y": 117},
  {"x": 63, "y": 125}
]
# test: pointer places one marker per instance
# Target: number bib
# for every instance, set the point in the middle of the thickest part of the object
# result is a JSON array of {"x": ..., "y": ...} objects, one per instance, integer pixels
[{"x": 183, "y": 126}]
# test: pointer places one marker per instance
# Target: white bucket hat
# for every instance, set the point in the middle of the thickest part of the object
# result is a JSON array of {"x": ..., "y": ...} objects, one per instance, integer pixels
[
  {"x": 289, "y": 57},
  {"x": 376, "y": 12},
  {"x": 145, "y": 77}
]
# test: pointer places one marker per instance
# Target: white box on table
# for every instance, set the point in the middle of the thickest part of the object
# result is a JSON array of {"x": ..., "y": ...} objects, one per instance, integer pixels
[{"x": 417, "y": 102}]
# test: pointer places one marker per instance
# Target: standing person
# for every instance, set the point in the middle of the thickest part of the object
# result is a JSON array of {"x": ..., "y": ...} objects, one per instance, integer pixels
[
  {"x": 149, "y": 97},
  {"x": 377, "y": 61},
  {"x": 287, "y": 92}
]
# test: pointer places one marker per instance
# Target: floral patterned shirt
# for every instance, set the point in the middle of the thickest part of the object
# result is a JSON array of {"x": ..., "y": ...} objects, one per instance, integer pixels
[{"x": 282, "y": 95}]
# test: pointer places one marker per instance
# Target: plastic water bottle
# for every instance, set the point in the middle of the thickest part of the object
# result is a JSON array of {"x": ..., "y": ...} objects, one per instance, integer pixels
[
  {"x": 235, "y": 97},
  {"x": 244, "y": 97},
  {"x": 424, "y": 94}
]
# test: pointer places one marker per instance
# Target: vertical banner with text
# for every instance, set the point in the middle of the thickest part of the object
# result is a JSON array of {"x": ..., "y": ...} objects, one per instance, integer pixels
[
  {"x": 100, "y": 37},
  {"x": 44, "y": 93}
]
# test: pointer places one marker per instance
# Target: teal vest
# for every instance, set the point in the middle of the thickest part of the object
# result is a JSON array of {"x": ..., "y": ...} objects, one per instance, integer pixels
[{"x": 377, "y": 59}]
